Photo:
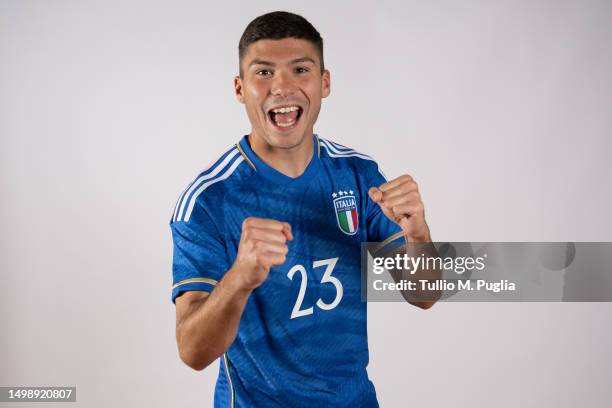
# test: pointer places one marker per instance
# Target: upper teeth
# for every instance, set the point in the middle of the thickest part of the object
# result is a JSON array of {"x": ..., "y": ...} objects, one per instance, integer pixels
[{"x": 285, "y": 109}]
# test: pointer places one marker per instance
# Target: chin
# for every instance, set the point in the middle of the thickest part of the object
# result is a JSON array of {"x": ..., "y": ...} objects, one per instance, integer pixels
[{"x": 287, "y": 140}]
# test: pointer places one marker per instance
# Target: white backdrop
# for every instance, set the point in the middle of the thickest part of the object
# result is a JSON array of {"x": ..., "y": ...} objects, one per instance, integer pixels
[{"x": 500, "y": 110}]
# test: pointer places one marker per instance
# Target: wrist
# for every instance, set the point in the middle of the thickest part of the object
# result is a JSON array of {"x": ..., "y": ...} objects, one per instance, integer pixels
[
  {"x": 235, "y": 280},
  {"x": 422, "y": 236}
]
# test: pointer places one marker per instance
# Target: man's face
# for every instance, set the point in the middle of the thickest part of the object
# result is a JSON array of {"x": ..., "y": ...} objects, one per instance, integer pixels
[{"x": 282, "y": 87}]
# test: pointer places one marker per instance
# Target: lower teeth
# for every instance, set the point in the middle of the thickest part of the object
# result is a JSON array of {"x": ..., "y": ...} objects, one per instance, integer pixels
[{"x": 285, "y": 124}]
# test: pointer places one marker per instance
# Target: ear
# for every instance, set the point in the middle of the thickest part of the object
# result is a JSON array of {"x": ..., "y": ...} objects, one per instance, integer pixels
[
  {"x": 238, "y": 88},
  {"x": 325, "y": 84}
]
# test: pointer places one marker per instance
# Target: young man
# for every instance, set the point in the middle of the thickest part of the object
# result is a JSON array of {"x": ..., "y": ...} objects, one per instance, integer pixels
[{"x": 267, "y": 239}]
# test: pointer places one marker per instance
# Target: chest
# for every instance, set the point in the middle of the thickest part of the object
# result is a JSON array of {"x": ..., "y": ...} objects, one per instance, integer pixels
[
  {"x": 326, "y": 217},
  {"x": 322, "y": 269}
]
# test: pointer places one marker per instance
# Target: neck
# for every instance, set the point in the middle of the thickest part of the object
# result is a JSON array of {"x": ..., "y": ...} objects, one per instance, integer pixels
[{"x": 291, "y": 162}]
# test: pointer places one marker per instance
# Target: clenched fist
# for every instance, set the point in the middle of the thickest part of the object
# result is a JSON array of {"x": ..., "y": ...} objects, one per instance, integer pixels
[
  {"x": 400, "y": 200},
  {"x": 263, "y": 244}
]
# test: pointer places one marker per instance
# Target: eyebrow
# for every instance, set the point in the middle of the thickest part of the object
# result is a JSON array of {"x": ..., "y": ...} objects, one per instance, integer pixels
[
  {"x": 302, "y": 59},
  {"x": 271, "y": 64}
]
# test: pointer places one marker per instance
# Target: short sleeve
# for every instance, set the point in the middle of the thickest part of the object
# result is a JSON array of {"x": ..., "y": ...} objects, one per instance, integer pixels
[
  {"x": 379, "y": 226},
  {"x": 199, "y": 257}
]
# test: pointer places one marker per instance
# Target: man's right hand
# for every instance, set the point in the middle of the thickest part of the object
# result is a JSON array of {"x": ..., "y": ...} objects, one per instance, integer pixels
[{"x": 263, "y": 244}]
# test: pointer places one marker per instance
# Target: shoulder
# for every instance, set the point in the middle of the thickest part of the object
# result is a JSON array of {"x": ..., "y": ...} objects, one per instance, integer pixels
[
  {"x": 343, "y": 156},
  {"x": 227, "y": 172}
]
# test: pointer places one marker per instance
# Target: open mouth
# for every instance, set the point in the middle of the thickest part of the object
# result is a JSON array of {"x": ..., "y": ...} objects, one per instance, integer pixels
[{"x": 285, "y": 117}]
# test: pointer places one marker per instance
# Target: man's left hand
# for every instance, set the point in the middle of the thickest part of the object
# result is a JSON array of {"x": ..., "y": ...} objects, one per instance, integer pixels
[{"x": 400, "y": 201}]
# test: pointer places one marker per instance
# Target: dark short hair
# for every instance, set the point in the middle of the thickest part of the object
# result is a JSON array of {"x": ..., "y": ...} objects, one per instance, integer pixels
[{"x": 278, "y": 25}]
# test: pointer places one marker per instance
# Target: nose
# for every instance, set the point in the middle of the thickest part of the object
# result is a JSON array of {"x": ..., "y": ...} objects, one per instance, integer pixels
[{"x": 283, "y": 85}]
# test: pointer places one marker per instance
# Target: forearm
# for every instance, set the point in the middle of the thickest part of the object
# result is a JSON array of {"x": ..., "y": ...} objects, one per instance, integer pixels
[
  {"x": 210, "y": 328},
  {"x": 422, "y": 297},
  {"x": 419, "y": 295}
]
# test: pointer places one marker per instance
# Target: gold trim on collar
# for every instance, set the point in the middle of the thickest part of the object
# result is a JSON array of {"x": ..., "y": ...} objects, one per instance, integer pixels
[
  {"x": 245, "y": 156},
  {"x": 196, "y": 280},
  {"x": 253, "y": 166}
]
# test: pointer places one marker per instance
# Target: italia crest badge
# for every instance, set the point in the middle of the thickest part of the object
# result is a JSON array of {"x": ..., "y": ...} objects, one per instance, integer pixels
[{"x": 345, "y": 207}]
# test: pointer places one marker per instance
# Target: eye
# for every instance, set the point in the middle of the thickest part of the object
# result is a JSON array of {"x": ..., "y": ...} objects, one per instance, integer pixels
[
  {"x": 264, "y": 72},
  {"x": 301, "y": 70}
]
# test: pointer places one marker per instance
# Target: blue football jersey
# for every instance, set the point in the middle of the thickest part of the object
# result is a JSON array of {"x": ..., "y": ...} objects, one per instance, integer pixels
[{"x": 302, "y": 338}]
